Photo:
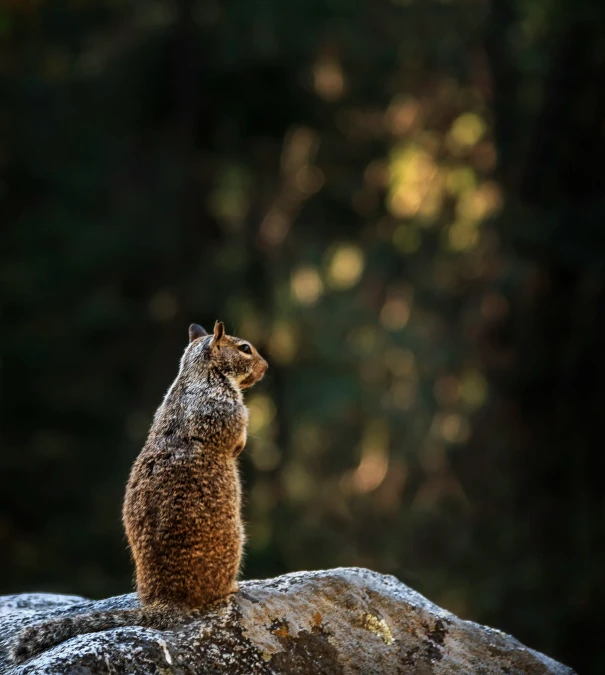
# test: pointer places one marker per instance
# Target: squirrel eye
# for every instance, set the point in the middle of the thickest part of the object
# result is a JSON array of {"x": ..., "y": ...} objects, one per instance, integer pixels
[{"x": 245, "y": 348}]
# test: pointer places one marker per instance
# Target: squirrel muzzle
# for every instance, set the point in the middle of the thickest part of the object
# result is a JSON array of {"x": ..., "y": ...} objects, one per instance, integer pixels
[{"x": 260, "y": 368}]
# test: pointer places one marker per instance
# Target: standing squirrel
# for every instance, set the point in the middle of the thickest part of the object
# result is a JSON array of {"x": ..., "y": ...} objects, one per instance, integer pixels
[{"x": 182, "y": 508}]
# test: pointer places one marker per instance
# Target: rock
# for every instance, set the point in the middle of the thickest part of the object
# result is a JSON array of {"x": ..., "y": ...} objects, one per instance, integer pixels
[{"x": 340, "y": 621}]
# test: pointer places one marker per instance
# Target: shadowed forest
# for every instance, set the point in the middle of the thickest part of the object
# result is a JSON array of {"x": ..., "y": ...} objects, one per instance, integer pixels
[{"x": 400, "y": 202}]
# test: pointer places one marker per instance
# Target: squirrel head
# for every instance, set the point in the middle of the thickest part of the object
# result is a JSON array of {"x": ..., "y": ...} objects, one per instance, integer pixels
[{"x": 233, "y": 357}]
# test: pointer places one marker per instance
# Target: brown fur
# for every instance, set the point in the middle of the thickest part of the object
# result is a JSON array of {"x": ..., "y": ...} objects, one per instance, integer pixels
[{"x": 182, "y": 505}]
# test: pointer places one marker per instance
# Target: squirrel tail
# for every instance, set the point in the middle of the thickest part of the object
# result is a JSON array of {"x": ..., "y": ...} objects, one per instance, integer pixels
[{"x": 42, "y": 636}]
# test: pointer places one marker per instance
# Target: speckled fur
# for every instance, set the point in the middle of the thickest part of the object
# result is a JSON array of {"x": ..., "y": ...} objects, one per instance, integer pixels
[{"x": 182, "y": 509}]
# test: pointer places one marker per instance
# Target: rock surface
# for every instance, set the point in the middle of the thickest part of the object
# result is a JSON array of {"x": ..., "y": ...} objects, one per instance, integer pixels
[{"x": 339, "y": 621}]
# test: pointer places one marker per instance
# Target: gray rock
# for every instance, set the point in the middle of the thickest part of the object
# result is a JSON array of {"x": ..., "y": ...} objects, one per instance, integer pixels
[{"x": 340, "y": 621}]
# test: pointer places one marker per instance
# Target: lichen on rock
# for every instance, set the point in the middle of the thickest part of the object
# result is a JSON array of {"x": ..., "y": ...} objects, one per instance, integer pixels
[{"x": 340, "y": 621}]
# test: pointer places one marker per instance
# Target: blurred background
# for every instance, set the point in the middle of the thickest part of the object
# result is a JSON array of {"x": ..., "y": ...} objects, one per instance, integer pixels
[{"x": 400, "y": 202}]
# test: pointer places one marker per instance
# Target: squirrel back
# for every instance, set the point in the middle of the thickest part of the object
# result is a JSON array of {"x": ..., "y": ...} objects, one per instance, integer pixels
[{"x": 182, "y": 508}]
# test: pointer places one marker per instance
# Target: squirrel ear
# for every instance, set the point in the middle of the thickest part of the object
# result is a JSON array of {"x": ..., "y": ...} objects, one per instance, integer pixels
[
  {"x": 219, "y": 331},
  {"x": 195, "y": 332}
]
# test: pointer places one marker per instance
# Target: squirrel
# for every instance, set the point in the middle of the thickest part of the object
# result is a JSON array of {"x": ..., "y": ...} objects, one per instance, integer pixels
[{"x": 182, "y": 507}]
